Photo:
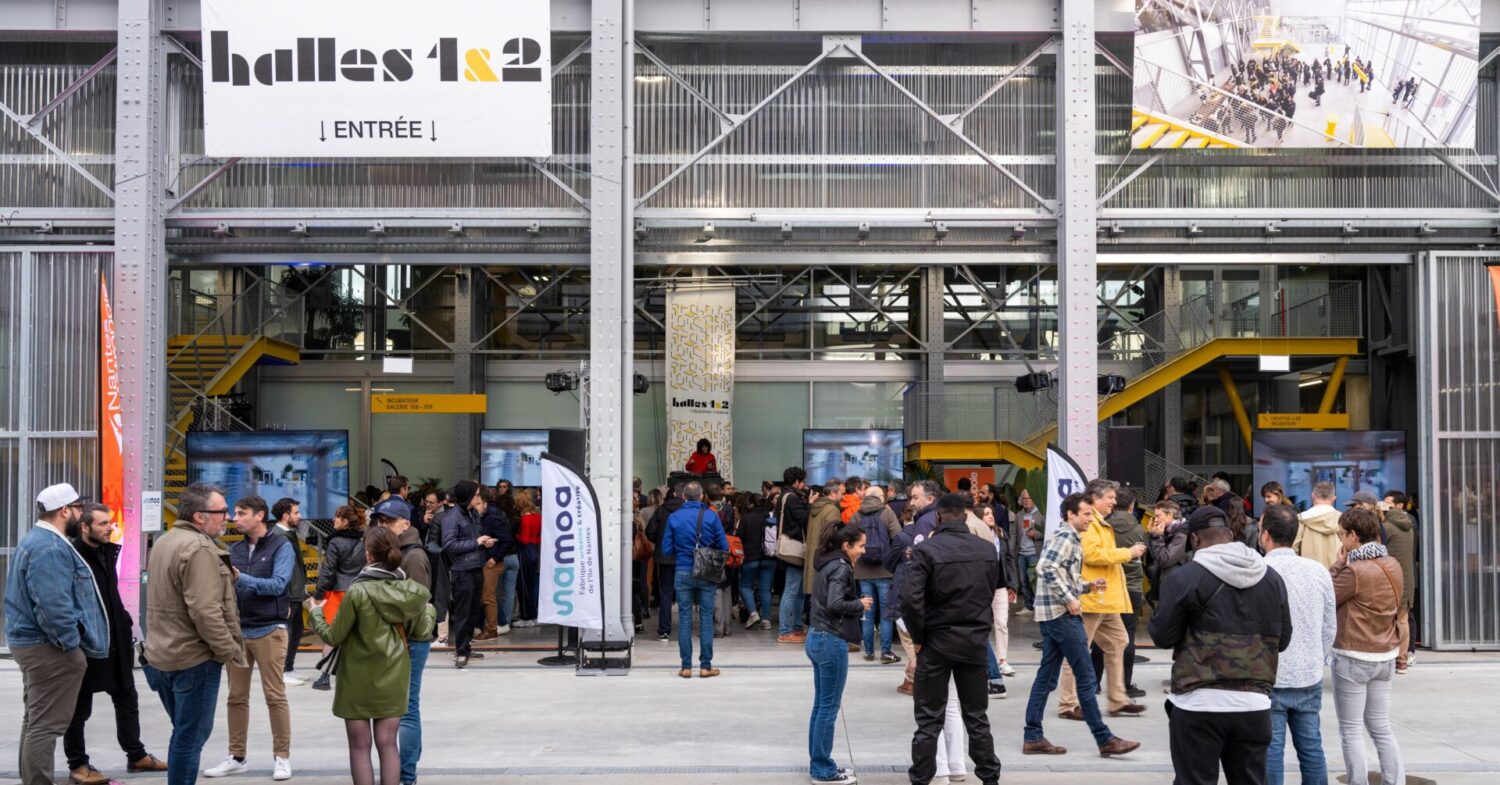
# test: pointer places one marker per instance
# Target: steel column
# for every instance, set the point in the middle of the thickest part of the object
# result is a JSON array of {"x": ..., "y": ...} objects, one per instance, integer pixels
[
  {"x": 468, "y": 375},
  {"x": 611, "y": 295},
  {"x": 140, "y": 261},
  {"x": 935, "y": 343},
  {"x": 1077, "y": 241},
  {"x": 1171, "y": 409}
]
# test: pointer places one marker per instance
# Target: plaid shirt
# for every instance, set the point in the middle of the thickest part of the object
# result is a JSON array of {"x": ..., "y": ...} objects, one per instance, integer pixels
[{"x": 1059, "y": 574}]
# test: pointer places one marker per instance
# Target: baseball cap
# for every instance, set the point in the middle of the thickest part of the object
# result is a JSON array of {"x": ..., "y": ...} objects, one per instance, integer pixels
[
  {"x": 1206, "y": 517},
  {"x": 1368, "y": 497},
  {"x": 55, "y": 497},
  {"x": 392, "y": 508}
]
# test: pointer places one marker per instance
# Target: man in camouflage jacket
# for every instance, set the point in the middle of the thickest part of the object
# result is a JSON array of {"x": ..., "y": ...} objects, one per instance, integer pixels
[{"x": 1225, "y": 617}]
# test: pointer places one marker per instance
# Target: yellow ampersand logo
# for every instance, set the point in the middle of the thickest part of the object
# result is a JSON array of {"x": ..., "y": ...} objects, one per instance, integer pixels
[{"x": 479, "y": 70}]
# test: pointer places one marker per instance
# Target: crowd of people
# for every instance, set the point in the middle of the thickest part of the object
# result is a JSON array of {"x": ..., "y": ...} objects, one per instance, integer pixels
[{"x": 1253, "y": 610}]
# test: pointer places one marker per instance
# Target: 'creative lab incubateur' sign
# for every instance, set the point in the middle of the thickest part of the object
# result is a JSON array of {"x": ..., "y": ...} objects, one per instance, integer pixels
[{"x": 377, "y": 78}]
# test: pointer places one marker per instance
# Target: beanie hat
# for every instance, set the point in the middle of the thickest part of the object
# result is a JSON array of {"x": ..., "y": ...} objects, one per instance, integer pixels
[{"x": 464, "y": 492}]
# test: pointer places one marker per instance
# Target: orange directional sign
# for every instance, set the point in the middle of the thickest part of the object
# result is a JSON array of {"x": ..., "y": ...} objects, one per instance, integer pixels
[{"x": 428, "y": 403}]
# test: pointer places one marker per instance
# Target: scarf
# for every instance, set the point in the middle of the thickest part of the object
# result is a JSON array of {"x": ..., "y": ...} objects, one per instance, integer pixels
[{"x": 1370, "y": 550}]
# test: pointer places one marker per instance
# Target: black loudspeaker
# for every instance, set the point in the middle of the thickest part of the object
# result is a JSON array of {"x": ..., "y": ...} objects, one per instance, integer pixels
[
  {"x": 569, "y": 444},
  {"x": 1126, "y": 458}
]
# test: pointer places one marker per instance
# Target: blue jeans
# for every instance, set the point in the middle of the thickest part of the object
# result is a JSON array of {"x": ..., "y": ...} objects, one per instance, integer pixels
[
  {"x": 755, "y": 585},
  {"x": 791, "y": 601},
  {"x": 1297, "y": 708},
  {"x": 880, "y": 589},
  {"x": 1064, "y": 639},
  {"x": 992, "y": 665},
  {"x": 1025, "y": 564},
  {"x": 508, "y": 587},
  {"x": 190, "y": 697},
  {"x": 410, "y": 738},
  {"x": 689, "y": 591},
  {"x": 830, "y": 659}
]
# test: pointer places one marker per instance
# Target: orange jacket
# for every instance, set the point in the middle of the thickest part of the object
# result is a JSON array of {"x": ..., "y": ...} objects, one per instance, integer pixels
[{"x": 849, "y": 506}]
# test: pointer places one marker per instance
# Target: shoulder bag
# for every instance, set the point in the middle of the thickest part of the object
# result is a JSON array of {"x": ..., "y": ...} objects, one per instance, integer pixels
[
  {"x": 708, "y": 563},
  {"x": 791, "y": 551}
]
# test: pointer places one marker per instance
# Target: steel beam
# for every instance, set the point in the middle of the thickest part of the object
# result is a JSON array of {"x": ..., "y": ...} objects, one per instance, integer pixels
[
  {"x": 612, "y": 297},
  {"x": 468, "y": 372},
  {"x": 934, "y": 340},
  {"x": 1077, "y": 239},
  {"x": 958, "y": 120},
  {"x": 58, "y": 151},
  {"x": 140, "y": 265},
  {"x": 73, "y": 87},
  {"x": 198, "y": 187}
]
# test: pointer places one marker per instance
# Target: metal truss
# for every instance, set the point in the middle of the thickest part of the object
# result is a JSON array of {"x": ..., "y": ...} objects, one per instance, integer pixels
[{"x": 31, "y": 123}]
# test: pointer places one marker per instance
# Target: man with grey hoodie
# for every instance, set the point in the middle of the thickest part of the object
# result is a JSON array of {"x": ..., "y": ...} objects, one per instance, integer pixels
[{"x": 1226, "y": 619}]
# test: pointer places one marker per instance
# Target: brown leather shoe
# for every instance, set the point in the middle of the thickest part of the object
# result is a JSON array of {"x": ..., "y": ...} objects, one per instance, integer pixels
[
  {"x": 905, "y": 688},
  {"x": 708, "y": 673},
  {"x": 1074, "y": 713},
  {"x": 486, "y": 636},
  {"x": 1117, "y": 746},
  {"x": 148, "y": 763},
  {"x": 686, "y": 673},
  {"x": 1128, "y": 710},
  {"x": 87, "y": 775},
  {"x": 1042, "y": 747}
]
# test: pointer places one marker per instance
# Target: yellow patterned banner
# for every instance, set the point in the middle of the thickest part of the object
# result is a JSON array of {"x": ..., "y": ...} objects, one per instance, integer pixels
[{"x": 700, "y": 375}]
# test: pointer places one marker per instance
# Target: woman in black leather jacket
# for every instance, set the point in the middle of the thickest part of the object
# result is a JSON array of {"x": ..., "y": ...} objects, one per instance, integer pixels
[{"x": 836, "y": 611}]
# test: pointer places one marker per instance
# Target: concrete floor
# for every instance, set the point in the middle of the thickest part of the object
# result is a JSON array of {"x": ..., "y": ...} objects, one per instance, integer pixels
[{"x": 507, "y": 720}]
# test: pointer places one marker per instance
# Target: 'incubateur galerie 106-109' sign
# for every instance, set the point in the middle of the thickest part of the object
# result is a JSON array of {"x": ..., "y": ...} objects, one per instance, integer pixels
[{"x": 377, "y": 78}]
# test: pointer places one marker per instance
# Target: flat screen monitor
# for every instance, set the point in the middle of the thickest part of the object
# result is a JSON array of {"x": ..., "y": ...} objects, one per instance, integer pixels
[
  {"x": 309, "y": 466},
  {"x": 877, "y": 455},
  {"x": 514, "y": 455},
  {"x": 1352, "y": 460}
]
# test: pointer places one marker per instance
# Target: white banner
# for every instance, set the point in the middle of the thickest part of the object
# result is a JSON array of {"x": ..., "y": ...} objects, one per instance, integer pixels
[
  {"x": 700, "y": 375},
  {"x": 572, "y": 570},
  {"x": 1064, "y": 478},
  {"x": 377, "y": 78}
]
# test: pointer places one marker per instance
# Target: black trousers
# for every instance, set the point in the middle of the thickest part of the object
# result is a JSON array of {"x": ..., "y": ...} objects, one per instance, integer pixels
[
  {"x": 127, "y": 726},
  {"x": 293, "y": 636},
  {"x": 465, "y": 586},
  {"x": 1203, "y": 741},
  {"x": 930, "y": 697},
  {"x": 666, "y": 592},
  {"x": 1129, "y": 619}
]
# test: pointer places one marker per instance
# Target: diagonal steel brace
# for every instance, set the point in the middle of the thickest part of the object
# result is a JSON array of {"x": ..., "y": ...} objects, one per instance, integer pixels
[{"x": 57, "y": 151}]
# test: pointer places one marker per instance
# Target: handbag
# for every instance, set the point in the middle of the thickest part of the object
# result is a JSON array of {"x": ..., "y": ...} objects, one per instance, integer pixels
[
  {"x": 793, "y": 552},
  {"x": 708, "y": 563},
  {"x": 641, "y": 547}
]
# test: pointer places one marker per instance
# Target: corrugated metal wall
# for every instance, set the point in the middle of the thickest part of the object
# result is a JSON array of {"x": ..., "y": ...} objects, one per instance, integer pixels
[
  {"x": 1462, "y": 532},
  {"x": 49, "y": 411},
  {"x": 840, "y": 138}
]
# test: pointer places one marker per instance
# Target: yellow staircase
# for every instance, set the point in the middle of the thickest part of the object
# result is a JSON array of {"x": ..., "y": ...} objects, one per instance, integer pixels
[
  {"x": 207, "y": 365},
  {"x": 1270, "y": 38},
  {"x": 1158, "y": 132},
  {"x": 1030, "y": 454}
]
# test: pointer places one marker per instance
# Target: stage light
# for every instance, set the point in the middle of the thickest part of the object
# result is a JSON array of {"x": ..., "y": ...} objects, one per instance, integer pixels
[
  {"x": 1033, "y": 382},
  {"x": 561, "y": 382},
  {"x": 641, "y": 385},
  {"x": 1111, "y": 383}
]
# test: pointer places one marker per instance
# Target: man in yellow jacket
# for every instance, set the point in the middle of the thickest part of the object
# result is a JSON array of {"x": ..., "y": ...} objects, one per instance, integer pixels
[{"x": 1102, "y": 609}]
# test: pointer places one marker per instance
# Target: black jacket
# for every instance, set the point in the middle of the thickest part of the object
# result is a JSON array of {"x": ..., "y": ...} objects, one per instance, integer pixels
[
  {"x": 1222, "y": 637},
  {"x": 950, "y": 583},
  {"x": 1185, "y": 502},
  {"x": 495, "y": 524},
  {"x": 460, "y": 538},
  {"x": 836, "y": 607},
  {"x": 107, "y": 674},
  {"x": 343, "y": 560},
  {"x": 791, "y": 513},
  {"x": 752, "y": 533},
  {"x": 656, "y": 528}
]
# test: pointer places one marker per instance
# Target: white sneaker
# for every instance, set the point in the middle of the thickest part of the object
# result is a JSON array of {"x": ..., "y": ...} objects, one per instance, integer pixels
[
  {"x": 1006, "y": 670},
  {"x": 227, "y": 767},
  {"x": 292, "y": 680},
  {"x": 754, "y": 620},
  {"x": 503, "y": 629},
  {"x": 283, "y": 769}
]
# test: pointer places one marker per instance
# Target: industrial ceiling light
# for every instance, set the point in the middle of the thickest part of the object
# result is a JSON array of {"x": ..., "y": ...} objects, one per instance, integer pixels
[
  {"x": 640, "y": 384},
  {"x": 1033, "y": 382},
  {"x": 561, "y": 381},
  {"x": 1111, "y": 383}
]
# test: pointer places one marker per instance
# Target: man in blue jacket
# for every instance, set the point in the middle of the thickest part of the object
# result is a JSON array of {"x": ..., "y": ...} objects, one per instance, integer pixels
[
  {"x": 54, "y": 620},
  {"x": 691, "y": 526}
]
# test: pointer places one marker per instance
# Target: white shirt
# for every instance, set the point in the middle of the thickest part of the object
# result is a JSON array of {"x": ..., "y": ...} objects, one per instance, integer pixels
[
  {"x": 1309, "y": 590},
  {"x": 1215, "y": 701}
]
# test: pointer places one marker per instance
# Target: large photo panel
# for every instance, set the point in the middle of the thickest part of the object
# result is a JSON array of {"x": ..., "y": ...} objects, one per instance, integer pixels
[{"x": 1224, "y": 74}]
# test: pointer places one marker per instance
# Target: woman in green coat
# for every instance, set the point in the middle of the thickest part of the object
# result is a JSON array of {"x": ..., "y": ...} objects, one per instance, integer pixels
[{"x": 381, "y": 610}]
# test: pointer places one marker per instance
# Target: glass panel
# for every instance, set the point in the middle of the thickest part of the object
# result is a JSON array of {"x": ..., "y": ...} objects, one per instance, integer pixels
[
  {"x": 73, "y": 461},
  {"x": 10, "y": 341},
  {"x": 529, "y": 405},
  {"x": 15, "y": 514},
  {"x": 768, "y": 421},
  {"x": 64, "y": 342},
  {"x": 318, "y": 406},
  {"x": 857, "y": 404},
  {"x": 419, "y": 445},
  {"x": 650, "y": 453}
]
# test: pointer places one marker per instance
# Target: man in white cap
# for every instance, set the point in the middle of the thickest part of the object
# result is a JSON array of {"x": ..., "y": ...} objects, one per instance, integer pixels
[{"x": 54, "y": 620}]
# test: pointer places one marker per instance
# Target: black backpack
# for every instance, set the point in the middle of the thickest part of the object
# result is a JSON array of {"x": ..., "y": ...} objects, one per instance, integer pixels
[{"x": 877, "y": 539}]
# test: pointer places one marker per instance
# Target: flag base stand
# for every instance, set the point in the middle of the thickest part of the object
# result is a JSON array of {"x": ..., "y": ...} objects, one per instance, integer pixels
[{"x": 567, "y": 649}]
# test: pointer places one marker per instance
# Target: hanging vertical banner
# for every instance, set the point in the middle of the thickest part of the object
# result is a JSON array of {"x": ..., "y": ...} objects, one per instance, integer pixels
[
  {"x": 700, "y": 375},
  {"x": 112, "y": 455},
  {"x": 572, "y": 565},
  {"x": 1064, "y": 478},
  {"x": 1495, "y": 285}
]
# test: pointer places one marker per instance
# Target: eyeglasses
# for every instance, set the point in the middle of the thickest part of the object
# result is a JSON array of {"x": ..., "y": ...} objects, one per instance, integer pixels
[{"x": 215, "y": 512}]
